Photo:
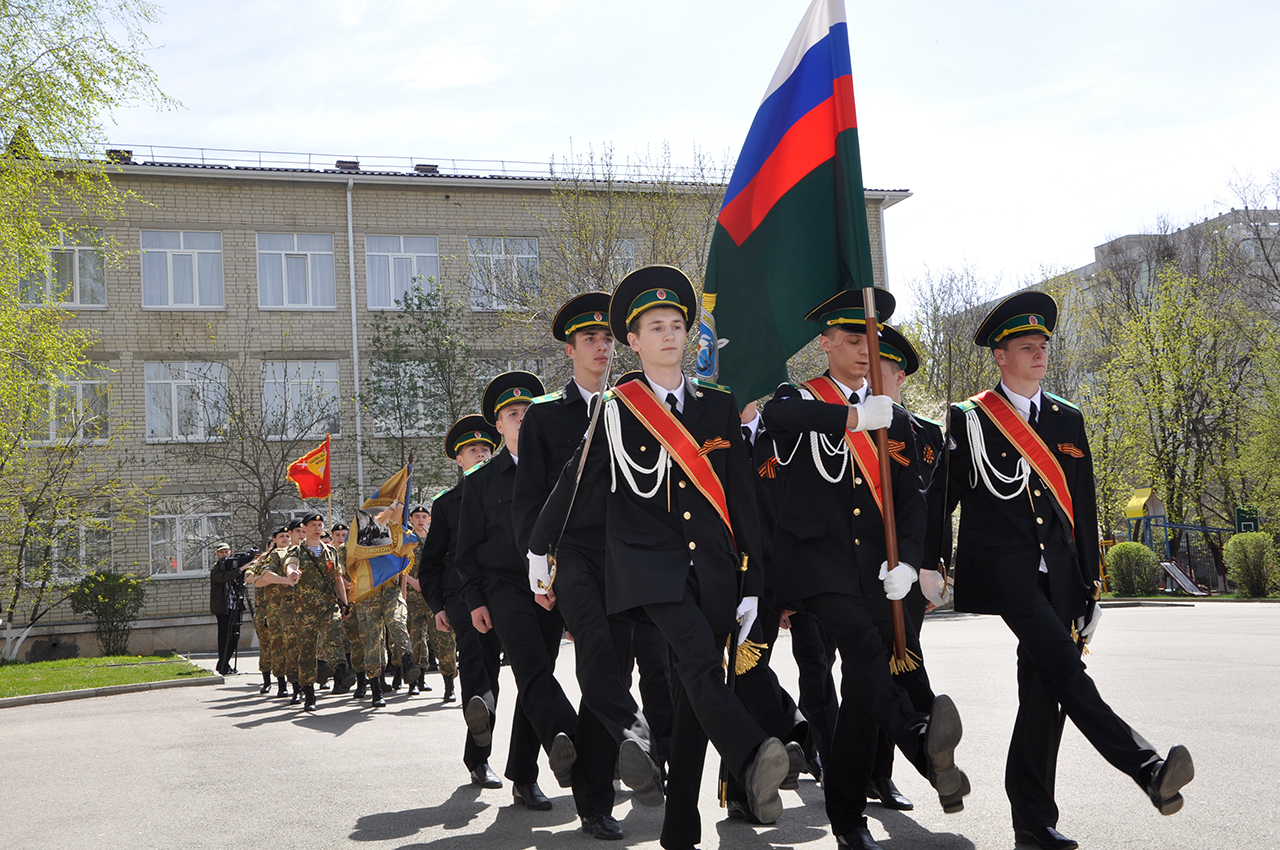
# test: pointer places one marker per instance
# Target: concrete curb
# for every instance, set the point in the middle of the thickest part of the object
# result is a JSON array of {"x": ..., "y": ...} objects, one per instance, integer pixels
[{"x": 112, "y": 690}]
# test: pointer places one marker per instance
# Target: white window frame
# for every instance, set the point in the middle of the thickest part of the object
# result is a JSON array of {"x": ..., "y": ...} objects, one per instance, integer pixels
[
  {"x": 495, "y": 263},
  {"x": 197, "y": 525},
  {"x": 84, "y": 530},
  {"x": 205, "y": 383},
  {"x": 298, "y": 382},
  {"x": 423, "y": 268},
  {"x": 201, "y": 283},
  {"x": 74, "y": 391},
  {"x": 80, "y": 255},
  {"x": 312, "y": 261},
  {"x": 429, "y": 410}
]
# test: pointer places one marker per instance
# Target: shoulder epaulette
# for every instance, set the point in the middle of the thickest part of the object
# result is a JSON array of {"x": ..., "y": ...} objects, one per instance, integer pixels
[
  {"x": 555, "y": 396},
  {"x": 477, "y": 466},
  {"x": 1062, "y": 400},
  {"x": 698, "y": 382},
  {"x": 966, "y": 405},
  {"x": 927, "y": 419},
  {"x": 609, "y": 394},
  {"x": 441, "y": 493}
]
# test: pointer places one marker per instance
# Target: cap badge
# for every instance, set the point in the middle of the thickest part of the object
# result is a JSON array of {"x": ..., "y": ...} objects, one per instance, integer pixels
[
  {"x": 516, "y": 391},
  {"x": 662, "y": 295},
  {"x": 1032, "y": 320},
  {"x": 597, "y": 317}
]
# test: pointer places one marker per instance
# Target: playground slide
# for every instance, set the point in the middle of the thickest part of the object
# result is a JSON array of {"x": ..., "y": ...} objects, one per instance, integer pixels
[{"x": 1185, "y": 584}]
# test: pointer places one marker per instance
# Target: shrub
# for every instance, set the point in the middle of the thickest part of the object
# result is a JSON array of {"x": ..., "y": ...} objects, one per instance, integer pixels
[
  {"x": 1250, "y": 561},
  {"x": 114, "y": 600},
  {"x": 1133, "y": 570}
]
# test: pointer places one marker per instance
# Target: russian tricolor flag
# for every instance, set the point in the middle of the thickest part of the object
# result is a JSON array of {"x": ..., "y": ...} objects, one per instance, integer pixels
[{"x": 793, "y": 228}]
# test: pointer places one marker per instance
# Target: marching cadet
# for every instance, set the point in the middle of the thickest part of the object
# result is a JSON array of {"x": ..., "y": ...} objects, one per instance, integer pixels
[
  {"x": 495, "y": 585},
  {"x": 680, "y": 517},
  {"x": 831, "y": 519},
  {"x": 382, "y": 622},
  {"x": 470, "y": 442},
  {"x": 424, "y": 637},
  {"x": 1027, "y": 550},
  {"x": 351, "y": 622},
  {"x": 608, "y": 716},
  {"x": 898, "y": 360},
  {"x": 268, "y": 596},
  {"x": 311, "y": 569},
  {"x": 335, "y": 644}
]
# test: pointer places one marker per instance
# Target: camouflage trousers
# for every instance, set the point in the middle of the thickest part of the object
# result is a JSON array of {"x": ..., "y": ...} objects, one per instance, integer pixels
[
  {"x": 382, "y": 618},
  {"x": 268, "y": 621},
  {"x": 423, "y": 635},
  {"x": 303, "y": 627},
  {"x": 333, "y": 643},
  {"x": 351, "y": 636}
]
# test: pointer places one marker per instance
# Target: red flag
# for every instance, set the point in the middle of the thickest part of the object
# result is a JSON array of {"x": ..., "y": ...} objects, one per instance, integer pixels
[{"x": 311, "y": 472}]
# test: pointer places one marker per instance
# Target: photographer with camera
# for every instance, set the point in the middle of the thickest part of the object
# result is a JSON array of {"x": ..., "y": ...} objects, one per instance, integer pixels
[{"x": 226, "y": 602}]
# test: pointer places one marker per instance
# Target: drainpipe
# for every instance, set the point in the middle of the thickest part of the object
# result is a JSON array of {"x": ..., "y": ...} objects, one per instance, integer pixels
[{"x": 355, "y": 345}]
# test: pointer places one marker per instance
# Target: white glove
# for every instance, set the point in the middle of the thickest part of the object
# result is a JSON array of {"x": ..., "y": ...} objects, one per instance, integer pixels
[
  {"x": 934, "y": 587},
  {"x": 747, "y": 610},
  {"x": 875, "y": 413},
  {"x": 539, "y": 574},
  {"x": 897, "y": 581},
  {"x": 1087, "y": 623}
]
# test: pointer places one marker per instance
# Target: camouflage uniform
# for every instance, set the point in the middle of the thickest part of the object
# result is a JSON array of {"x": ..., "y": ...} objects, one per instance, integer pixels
[
  {"x": 379, "y": 612},
  {"x": 312, "y": 605},
  {"x": 271, "y": 612},
  {"x": 423, "y": 634},
  {"x": 333, "y": 647}
]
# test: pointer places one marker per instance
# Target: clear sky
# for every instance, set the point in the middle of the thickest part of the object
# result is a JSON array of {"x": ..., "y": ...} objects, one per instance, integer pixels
[{"x": 1028, "y": 132}]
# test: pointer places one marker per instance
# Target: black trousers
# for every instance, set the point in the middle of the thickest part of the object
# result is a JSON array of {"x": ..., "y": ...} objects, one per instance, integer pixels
[
  {"x": 641, "y": 646},
  {"x": 704, "y": 706},
  {"x": 530, "y": 636},
  {"x": 226, "y": 647},
  {"x": 914, "y": 682},
  {"x": 1052, "y": 680},
  {"x": 607, "y": 714},
  {"x": 815, "y": 653},
  {"x": 869, "y": 697},
  {"x": 478, "y": 668}
]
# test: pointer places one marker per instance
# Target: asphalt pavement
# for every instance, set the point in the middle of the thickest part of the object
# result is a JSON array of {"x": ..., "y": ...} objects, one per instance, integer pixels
[{"x": 222, "y": 767}]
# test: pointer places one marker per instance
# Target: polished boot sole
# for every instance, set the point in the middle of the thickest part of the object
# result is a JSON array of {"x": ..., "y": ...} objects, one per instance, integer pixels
[
  {"x": 640, "y": 773},
  {"x": 561, "y": 759},
  {"x": 762, "y": 779},
  {"x": 1178, "y": 770},
  {"x": 476, "y": 714}
]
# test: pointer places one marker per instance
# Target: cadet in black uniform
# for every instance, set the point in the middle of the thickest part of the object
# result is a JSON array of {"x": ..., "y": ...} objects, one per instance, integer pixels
[
  {"x": 1021, "y": 469},
  {"x": 495, "y": 585},
  {"x": 608, "y": 715},
  {"x": 470, "y": 442},
  {"x": 677, "y": 528},
  {"x": 830, "y": 516}
]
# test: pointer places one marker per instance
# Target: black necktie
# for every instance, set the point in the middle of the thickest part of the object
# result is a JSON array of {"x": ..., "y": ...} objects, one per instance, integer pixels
[
  {"x": 673, "y": 403},
  {"x": 1031, "y": 420},
  {"x": 746, "y": 434}
]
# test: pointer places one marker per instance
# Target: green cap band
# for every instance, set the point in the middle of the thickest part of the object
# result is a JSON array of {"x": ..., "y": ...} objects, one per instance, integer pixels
[
  {"x": 472, "y": 437},
  {"x": 655, "y": 298},
  {"x": 1018, "y": 324},
  {"x": 510, "y": 395},
  {"x": 586, "y": 320}
]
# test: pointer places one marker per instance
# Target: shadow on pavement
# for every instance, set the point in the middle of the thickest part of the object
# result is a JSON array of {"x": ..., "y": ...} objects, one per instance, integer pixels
[{"x": 514, "y": 827}]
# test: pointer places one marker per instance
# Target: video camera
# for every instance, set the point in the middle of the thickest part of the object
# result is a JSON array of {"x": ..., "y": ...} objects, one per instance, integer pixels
[{"x": 242, "y": 559}]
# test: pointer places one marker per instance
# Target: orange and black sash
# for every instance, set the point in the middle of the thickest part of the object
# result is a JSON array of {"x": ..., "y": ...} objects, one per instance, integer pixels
[
  {"x": 860, "y": 444},
  {"x": 1029, "y": 445},
  {"x": 658, "y": 419}
]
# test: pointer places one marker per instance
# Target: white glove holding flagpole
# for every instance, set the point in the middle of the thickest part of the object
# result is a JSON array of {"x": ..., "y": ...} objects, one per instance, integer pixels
[
  {"x": 539, "y": 574},
  {"x": 897, "y": 581},
  {"x": 874, "y": 413},
  {"x": 933, "y": 584},
  {"x": 748, "y": 608}
]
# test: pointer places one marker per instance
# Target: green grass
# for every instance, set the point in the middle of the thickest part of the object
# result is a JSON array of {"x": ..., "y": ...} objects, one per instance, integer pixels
[{"x": 44, "y": 677}]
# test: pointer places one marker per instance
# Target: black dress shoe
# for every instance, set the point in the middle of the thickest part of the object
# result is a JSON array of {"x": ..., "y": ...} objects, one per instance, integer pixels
[
  {"x": 887, "y": 793},
  {"x": 1044, "y": 836},
  {"x": 763, "y": 776},
  {"x": 561, "y": 759},
  {"x": 530, "y": 796},
  {"x": 603, "y": 827},
  {"x": 639, "y": 772},
  {"x": 860, "y": 839},
  {"x": 1168, "y": 778},
  {"x": 476, "y": 715},
  {"x": 941, "y": 738},
  {"x": 739, "y": 811},
  {"x": 484, "y": 776},
  {"x": 795, "y": 766}
]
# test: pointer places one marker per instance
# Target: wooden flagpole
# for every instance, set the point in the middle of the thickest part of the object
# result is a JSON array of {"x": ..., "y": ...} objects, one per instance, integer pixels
[{"x": 901, "y": 662}]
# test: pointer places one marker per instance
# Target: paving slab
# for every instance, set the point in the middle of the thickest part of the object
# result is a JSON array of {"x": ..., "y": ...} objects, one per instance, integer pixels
[{"x": 222, "y": 767}]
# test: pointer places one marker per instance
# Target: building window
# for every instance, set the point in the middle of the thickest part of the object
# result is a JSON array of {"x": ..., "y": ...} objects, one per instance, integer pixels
[
  {"x": 181, "y": 269},
  {"x": 411, "y": 400},
  {"x": 73, "y": 277},
  {"x": 186, "y": 402},
  {"x": 503, "y": 271},
  {"x": 622, "y": 261},
  {"x": 395, "y": 264},
  {"x": 295, "y": 270},
  {"x": 300, "y": 398},
  {"x": 76, "y": 409},
  {"x": 70, "y": 551},
  {"x": 184, "y": 530}
]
